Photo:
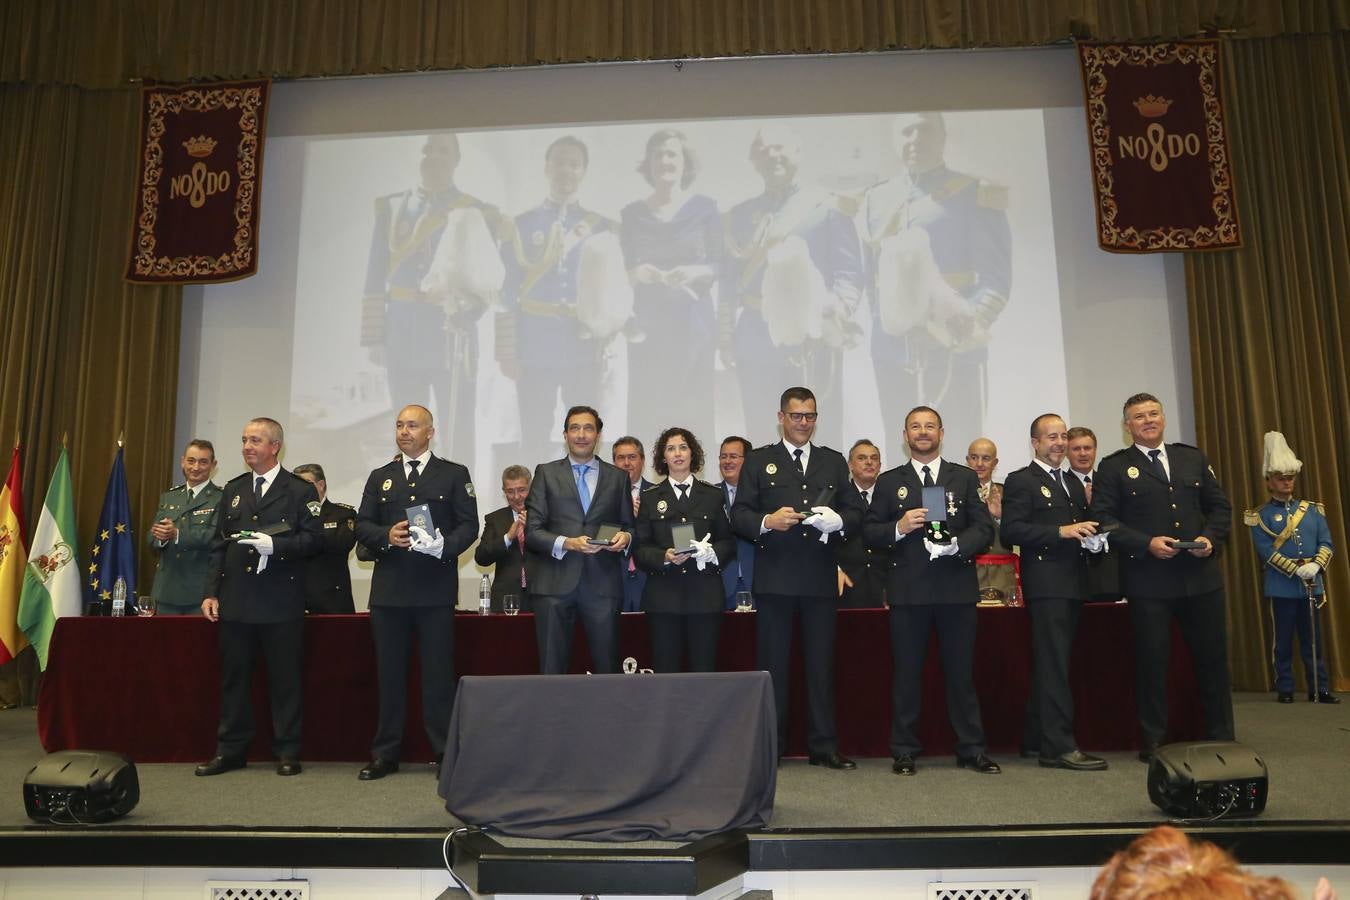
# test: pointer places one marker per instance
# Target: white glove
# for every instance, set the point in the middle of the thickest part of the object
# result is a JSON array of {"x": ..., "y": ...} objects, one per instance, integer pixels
[
  {"x": 826, "y": 520},
  {"x": 425, "y": 543},
  {"x": 1094, "y": 543},
  {"x": 936, "y": 550},
  {"x": 704, "y": 554},
  {"x": 1308, "y": 571},
  {"x": 262, "y": 542}
]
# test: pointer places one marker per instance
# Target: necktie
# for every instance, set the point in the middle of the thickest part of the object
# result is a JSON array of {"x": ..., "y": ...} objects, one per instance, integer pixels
[
  {"x": 864, "y": 498},
  {"x": 412, "y": 472},
  {"x": 1157, "y": 463},
  {"x": 258, "y": 488},
  {"x": 797, "y": 458},
  {"x": 1087, "y": 487},
  {"x": 583, "y": 489},
  {"x": 928, "y": 477},
  {"x": 1059, "y": 478},
  {"x": 682, "y": 492},
  {"x": 521, "y": 544}
]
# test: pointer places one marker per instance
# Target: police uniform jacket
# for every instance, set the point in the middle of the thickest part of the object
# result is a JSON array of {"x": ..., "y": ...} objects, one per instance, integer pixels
[
  {"x": 913, "y": 579},
  {"x": 328, "y": 581},
  {"x": 1300, "y": 528},
  {"x": 404, "y": 577},
  {"x": 1128, "y": 491},
  {"x": 682, "y": 588},
  {"x": 1034, "y": 508},
  {"x": 853, "y": 554},
  {"x": 794, "y": 562},
  {"x": 180, "y": 573},
  {"x": 290, "y": 509}
]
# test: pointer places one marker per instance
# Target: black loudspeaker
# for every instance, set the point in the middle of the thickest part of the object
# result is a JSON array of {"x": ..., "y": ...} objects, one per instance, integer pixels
[
  {"x": 1208, "y": 780},
  {"x": 78, "y": 786}
]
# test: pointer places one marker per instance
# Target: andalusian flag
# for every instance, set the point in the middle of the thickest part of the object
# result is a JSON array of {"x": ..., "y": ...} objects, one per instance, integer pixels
[
  {"x": 13, "y": 558},
  {"x": 51, "y": 586}
]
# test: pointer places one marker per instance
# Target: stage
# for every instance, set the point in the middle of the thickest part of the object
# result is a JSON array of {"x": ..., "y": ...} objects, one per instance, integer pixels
[{"x": 867, "y": 819}]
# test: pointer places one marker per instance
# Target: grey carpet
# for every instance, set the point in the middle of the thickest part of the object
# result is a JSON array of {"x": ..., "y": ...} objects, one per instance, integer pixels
[{"x": 1304, "y": 745}]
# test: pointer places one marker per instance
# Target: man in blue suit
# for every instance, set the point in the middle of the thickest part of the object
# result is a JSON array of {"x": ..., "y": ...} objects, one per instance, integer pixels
[
  {"x": 571, "y": 577},
  {"x": 739, "y": 573},
  {"x": 629, "y": 455}
]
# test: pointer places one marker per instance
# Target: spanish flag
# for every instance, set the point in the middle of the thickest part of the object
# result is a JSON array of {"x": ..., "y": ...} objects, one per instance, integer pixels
[{"x": 13, "y": 560}]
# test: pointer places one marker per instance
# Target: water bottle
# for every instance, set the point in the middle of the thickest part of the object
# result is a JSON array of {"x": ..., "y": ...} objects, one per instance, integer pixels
[
  {"x": 119, "y": 607},
  {"x": 484, "y": 597}
]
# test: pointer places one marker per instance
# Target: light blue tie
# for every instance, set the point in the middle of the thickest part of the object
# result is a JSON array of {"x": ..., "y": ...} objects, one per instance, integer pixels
[{"x": 583, "y": 489}]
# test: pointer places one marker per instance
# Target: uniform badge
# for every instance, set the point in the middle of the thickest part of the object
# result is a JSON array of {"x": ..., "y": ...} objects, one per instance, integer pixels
[
  {"x": 234, "y": 504},
  {"x": 1045, "y": 491},
  {"x": 902, "y": 492},
  {"x": 314, "y": 507},
  {"x": 388, "y": 483},
  {"x": 1279, "y": 517},
  {"x": 537, "y": 239},
  {"x": 468, "y": 488},
  {"x": 1132, "y": 471},
  {"x": 771, "y": 469},
  {"x": 662, "y": 506}
]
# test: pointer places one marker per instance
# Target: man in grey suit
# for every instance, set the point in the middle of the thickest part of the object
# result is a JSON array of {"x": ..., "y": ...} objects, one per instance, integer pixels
[{"x": 570, "y": 578}]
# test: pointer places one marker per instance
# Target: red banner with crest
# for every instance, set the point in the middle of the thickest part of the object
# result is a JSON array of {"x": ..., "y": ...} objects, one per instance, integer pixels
[
  {"x": 1161, "y": 168},
  {"x": 198, "y": 194}
]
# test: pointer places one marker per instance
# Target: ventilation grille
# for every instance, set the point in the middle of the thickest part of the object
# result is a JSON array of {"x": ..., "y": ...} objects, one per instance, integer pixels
[
  {"x": 982, "y": 890},
  {"x": 257, "y": 890}
]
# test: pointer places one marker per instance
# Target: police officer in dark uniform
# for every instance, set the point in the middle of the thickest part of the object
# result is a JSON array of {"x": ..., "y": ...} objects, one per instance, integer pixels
[
  {"x": 793, "y": 502},
  {"x": 539, "y": 340},
  {"x": 862, "y": 570},
  {"x": 426, "y": 340},
  {"x": 937, "y": 354},
  {"x": 1172, "y": 515},
  {"x": 1104, "y": 567},
  {"x": 267, "y": 526},
  {"x": 416, "y": 583},
  {"x": 682, "y": 596},
  {"x": 328, "y": 581},
  {"x": 184, "y": 527},
  {"x": 1045, "y": 514}
]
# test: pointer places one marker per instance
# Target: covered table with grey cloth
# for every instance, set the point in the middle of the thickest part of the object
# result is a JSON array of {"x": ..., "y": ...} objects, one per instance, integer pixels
[{"x": 612, "y": 757}]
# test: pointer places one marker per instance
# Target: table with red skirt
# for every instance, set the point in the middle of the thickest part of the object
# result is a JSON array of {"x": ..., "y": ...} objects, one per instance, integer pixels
[{"x": 150, "y": 687}]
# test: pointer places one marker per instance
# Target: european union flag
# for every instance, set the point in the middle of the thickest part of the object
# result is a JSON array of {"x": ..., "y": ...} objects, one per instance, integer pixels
[{"x": 113, "y": 554}]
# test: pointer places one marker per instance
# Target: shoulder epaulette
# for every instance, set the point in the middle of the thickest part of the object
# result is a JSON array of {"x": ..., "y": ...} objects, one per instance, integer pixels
[
  {"x": 343, "y": 505},
  {"x": 991, "y": 195},
  {"x": 1184, "y": 444},
  {"x": 768, "y": 446},
  {"x": 1251, "y": 517},
  {"x": 240, "y": 477},
  {"x": 1116, "y": 453},
  {"x": 653, "y": 487},
  {"x": 1321, "y": 507}
]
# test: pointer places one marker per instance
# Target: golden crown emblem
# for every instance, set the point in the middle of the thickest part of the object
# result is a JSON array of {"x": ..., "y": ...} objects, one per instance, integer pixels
[
  {"x": 1152, "y": 107},
  {"x": 199, "y": 146}
]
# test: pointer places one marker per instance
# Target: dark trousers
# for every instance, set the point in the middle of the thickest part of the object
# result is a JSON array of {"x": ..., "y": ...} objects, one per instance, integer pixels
[
  {"x": 910, "y": 627},
  {"x": 1049, "y": 716},
  {"x": 1204, "y": 627},
  {"x": 394, "y": 628},
  {"x": 672, "y": 633},
  {"x": 555, "y": 619},
  {"x": 868, "y": 591},
  {"x": 282, "y": 647},
  {"x": 1290, "y": 615},
  {"x": 773, "y": 650}
]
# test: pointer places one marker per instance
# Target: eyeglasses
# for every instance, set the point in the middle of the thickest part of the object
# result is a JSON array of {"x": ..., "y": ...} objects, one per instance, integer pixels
[{"x": 800, "y": 417}]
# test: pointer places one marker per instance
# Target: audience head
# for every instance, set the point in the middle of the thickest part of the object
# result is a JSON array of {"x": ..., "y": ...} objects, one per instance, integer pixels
[{"x": 1164, "y": 864}]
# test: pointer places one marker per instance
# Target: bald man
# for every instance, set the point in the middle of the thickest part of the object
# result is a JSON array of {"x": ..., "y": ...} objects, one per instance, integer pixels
[{"x": 997, "y": 579}]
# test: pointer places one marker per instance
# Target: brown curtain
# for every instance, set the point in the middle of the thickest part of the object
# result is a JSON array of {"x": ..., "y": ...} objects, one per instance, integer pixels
[
  {"x": 84, "y": 354},
  {"x": 1269, "y": 322}
]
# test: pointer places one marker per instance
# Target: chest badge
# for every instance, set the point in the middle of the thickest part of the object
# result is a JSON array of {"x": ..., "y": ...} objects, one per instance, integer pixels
[
  {"x": 1132, "y": 471},
  {"x": 902, "y": 492},
  {"x": 1045, "y": 492},
  {"x": 771, "y": 469},
  {"x": 388, "y": 483},
  {"x": 951, "y": 504},
  {"x": 234, "y": 504},
  {"x": 662, "y": 506}
]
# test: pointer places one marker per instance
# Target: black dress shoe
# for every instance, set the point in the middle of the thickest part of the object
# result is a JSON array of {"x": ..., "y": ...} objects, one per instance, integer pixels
[
  {"x": 220, "y": 764},
  {"x": 288, "y": 766},
  {"x": 832, "y": 760},
  {"x": 1076, "y": 760},
  {"x": 979, "y": 763},
  {"x": 1146, "y": 752},
  {"x": 378, "y": 768},
  {"x": 1286, "y": 697},
  {"x": 1326, "y": 697},
  {"x": 903, "y": 765}
]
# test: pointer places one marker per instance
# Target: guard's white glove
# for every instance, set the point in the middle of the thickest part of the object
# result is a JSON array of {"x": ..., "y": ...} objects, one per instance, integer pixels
[
  {"x": 1308, "y": 571},
  {"x": 825, "y": 520},
  {"x": 1094, "y": 543},
  {"x": 261, "y": 542},
  {"x": 936, "y": 550},
  {"x": 425, "y": 543},
  {"x": 704, "y": 554}
]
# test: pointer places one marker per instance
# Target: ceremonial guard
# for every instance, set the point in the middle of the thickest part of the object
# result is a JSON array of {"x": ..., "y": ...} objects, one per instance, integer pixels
[{"x": 1293, "y": 542}]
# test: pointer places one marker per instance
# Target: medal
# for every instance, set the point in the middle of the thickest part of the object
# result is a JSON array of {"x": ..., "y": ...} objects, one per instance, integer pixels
[{"x": 951, "y": 504}]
